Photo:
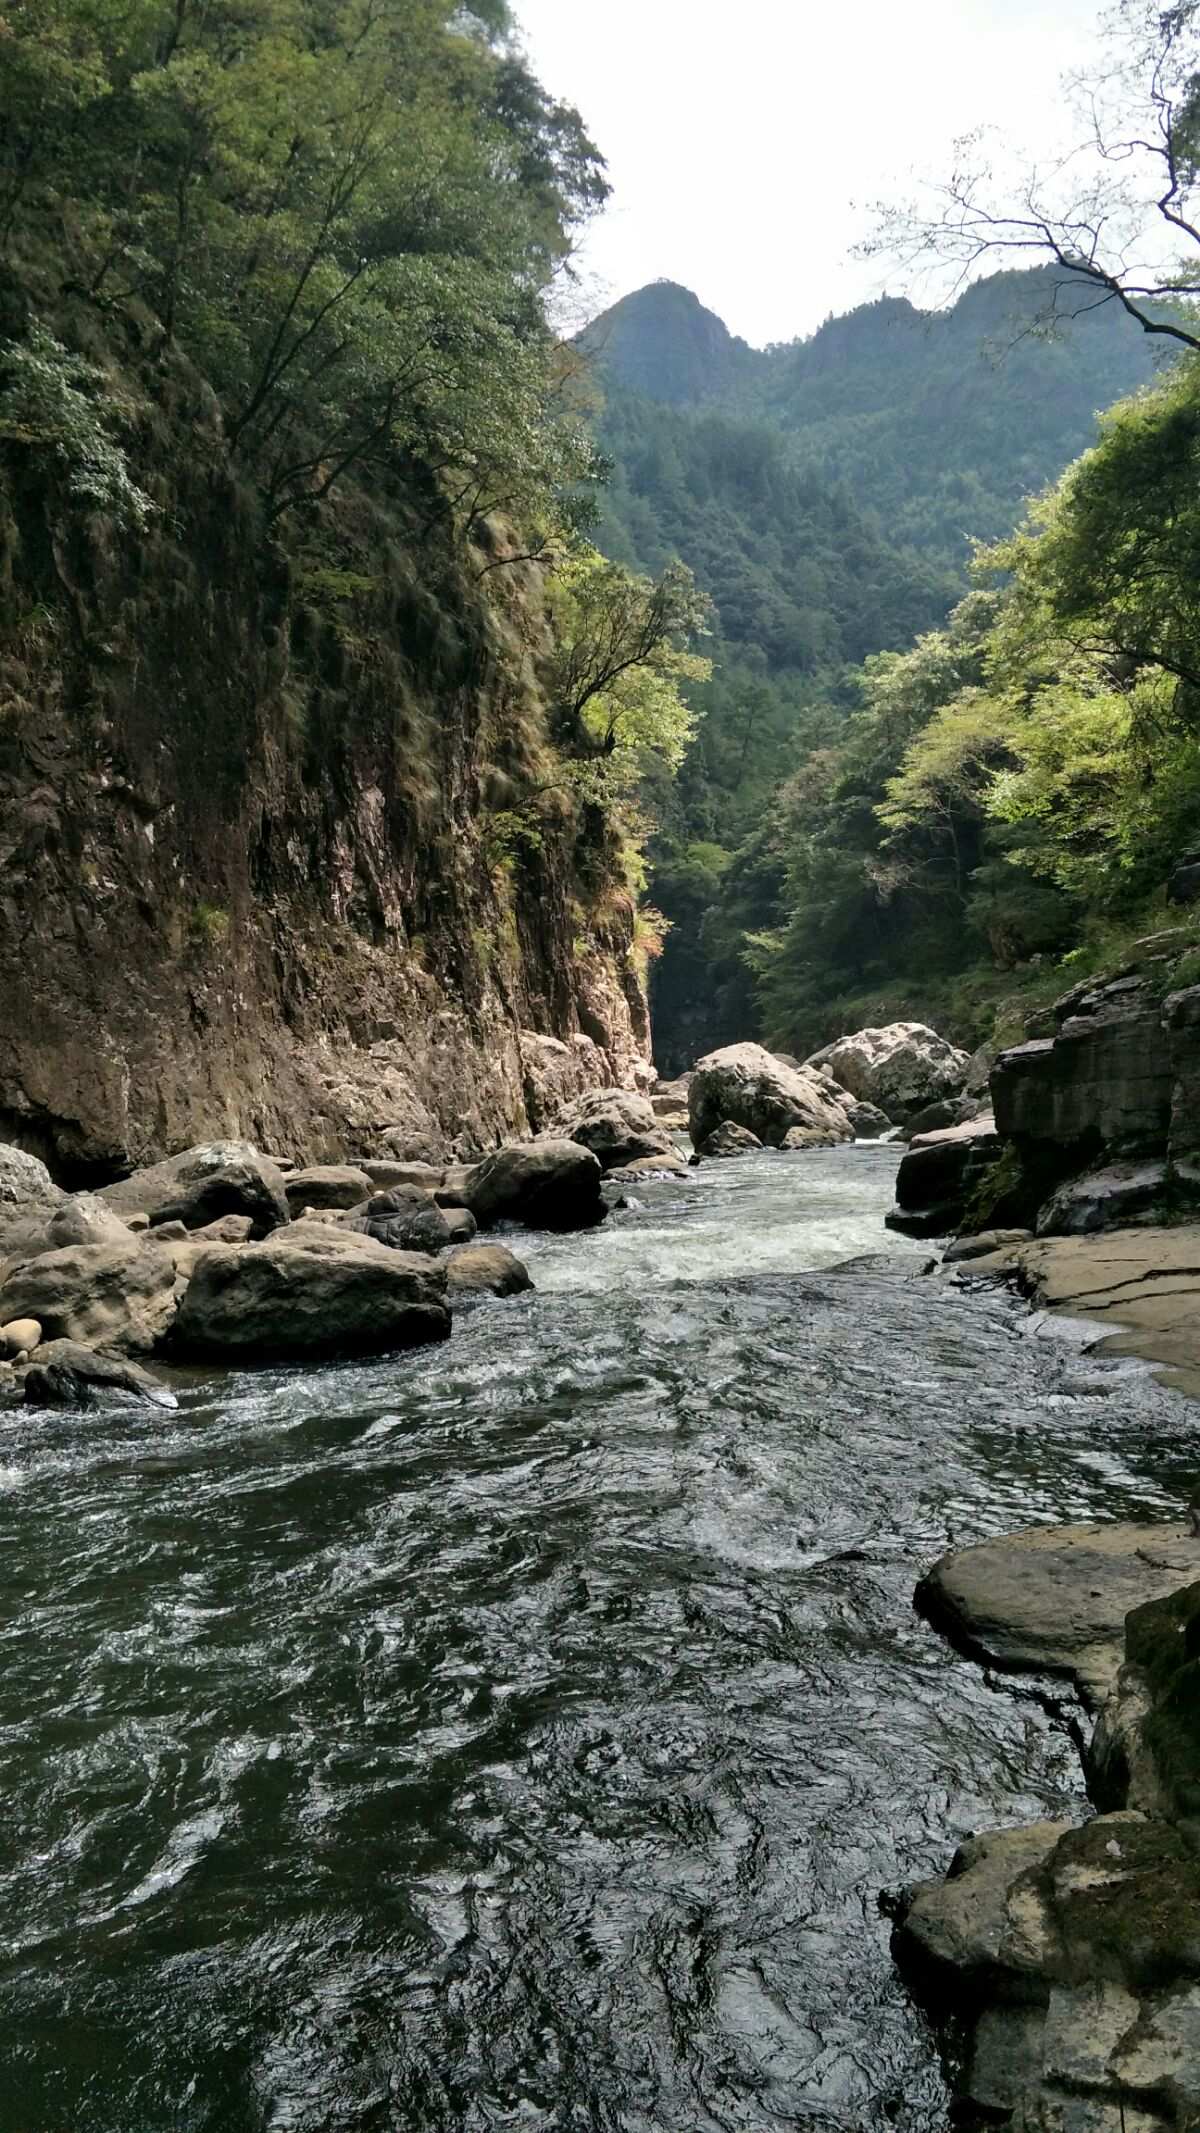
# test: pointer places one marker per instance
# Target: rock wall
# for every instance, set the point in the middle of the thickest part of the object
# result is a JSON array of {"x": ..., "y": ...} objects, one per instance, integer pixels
[{"x": 258, "y": 869}]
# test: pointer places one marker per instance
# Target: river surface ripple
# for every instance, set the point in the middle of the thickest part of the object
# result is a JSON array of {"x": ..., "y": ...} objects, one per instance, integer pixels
[{"x": 518, "y": 1735}]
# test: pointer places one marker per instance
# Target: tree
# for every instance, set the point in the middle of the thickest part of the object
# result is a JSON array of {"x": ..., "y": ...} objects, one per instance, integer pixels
[
  {"x": 1133, "y": 168},
  {"x": 614, "y": 677}
]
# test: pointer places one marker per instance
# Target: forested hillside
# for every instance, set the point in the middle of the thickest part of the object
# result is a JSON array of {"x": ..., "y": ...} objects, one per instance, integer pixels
[{"x": 827, "y": 495}]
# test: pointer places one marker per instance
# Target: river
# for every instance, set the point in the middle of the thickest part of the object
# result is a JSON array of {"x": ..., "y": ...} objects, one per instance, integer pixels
[{"x": 519, "y": 1734}]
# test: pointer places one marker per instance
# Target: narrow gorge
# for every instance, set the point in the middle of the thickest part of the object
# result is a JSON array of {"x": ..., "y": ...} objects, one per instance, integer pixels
[{"x": 599, "y": 1113}]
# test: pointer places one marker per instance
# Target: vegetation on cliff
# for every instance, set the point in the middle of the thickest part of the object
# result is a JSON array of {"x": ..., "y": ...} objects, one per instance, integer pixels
[{"x": 289, "y": 458}]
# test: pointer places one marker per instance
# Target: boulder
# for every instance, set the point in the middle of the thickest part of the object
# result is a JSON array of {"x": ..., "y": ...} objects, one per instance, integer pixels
[
  {"x": 900, "y": 1068},
  {"x": 19, "y": 1336},
  {"x": 938, "y": 1176},
  {"x": 983, "y": 1244},
  {"x": 28, "y": 1197},
  {"x": 1054, "y": 1599},
  {"x": 746, "y": 1086},
  {"x": 867, "y": 1122},
  {"x": 186, "y": 1245},
  {"x": 80, "y": 1218},
  {"x": 118, "y": 1298},
  {"x": 452, "y": 1192},
  {"x": 460, "y": 1223},
  {"x": 546, "y": 1184},
  {"x": 65, "y": 1374},
  {"x": 951, "y": 1111},
  {"x": 616, "y": 1124},
  {"x": 728, "y": 1139},
  {"x": 1110, "y": 1198},
  {"x": 201, "y": 1184},
  {"x": 326, "y": 1185},
  {"x": 486, "y": 1270},
  {"x": 668, "y": 1165},
  {"x": 1067, "y": 1958},
  {"x": 405, "y": 1219},
  {"x": 322, "y": 1294},
  {"x": 383, "y": 1175}
]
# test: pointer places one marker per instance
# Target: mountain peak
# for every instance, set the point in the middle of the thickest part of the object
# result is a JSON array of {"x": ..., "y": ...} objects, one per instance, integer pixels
[{"x": 661, "y": 340}]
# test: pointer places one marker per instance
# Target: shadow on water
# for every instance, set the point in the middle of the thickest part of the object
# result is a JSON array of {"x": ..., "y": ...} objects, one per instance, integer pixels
[{"x": 519, "y": 1735}]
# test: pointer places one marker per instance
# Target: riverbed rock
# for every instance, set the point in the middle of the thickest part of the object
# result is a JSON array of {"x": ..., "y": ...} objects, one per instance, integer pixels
[
  {"x": 322, "y": 1294},
  {"x": 64, "y": 1373},
  {"x": 938, "y": 1176},
  {"x": 669, "y": 1164},
  {"x": 727, "y": 1139},
  {"x": 749, "y": 1087},
  {"x": 19, "y": 1336},
  {"x": 1141, "y": 1285},
  {"x": 984, "y": 1244},
  {"x": 900, "y": 1068},
  {"x": 950, "y": 1111},
  {"x": 1109, "y": 1198},
  {"x": 1054, "y": 1599},
  {"x": 116, "y": 1298},
  {"x": 327, "y": 1185},
  {"x": 460, "y": 1224},
  {"x": 405, "y": 1219},
  {"x": 384, "y": 1175},
  {"x": 486, "y": 1270},
  {"x": 28, "y": 1197},
  {"x": 203, "y": 1183},
  {"x": 1069, "y": 1960},
  {"x": 545, "y": 1184},
  {"x": 618, "y": 1125},
  {"x": 867, "y": 1121}
]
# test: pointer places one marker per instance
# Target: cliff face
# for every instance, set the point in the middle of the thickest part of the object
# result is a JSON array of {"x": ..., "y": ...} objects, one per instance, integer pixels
[{"x": 262, "y": 866}]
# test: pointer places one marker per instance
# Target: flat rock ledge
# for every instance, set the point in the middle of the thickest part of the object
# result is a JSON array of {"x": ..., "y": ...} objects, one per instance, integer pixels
[
  {"x": 1053, "y": 1600},
  {"x": 1141, "y": 1285}
]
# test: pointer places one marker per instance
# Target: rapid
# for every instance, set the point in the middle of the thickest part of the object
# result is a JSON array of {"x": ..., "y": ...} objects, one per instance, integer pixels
[{"x": 520, "y": 1734}]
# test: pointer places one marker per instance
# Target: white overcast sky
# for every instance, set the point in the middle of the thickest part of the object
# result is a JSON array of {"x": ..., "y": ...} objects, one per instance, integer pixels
[{"x": 740, "y": 134}]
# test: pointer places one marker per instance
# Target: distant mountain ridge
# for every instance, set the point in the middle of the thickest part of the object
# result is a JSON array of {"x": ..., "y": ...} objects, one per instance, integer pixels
[{"x": 941, "y": 422}]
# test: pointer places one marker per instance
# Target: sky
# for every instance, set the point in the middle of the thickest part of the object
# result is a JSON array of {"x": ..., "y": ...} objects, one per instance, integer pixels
[{"x": 746, "y": 139}]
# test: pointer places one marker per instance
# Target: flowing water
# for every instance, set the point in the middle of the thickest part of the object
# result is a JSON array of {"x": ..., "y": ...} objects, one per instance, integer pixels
[{"x": 519, "y": 1734}]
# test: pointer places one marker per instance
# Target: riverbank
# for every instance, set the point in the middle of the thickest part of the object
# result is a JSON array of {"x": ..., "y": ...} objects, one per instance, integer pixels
[{"x": 1060, "y": 1957}]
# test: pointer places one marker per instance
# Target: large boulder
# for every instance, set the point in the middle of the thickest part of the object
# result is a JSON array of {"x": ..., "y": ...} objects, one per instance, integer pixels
[
  {"x": 750, "y": 1087},
  {"x": 1109, "y": 1198},
  {"x": 66, "y": 1374},
  {"x": 320, "y": 1294},
  {"x": 938, "y": 1177},
  {"x": 80, "y": 1218},
  {"x": 405, "y": 1219},
  {"x": 900, "y": 1068},
  {"x": 486, "y": 1270},
  {"x": 336, "y": 1185},
  {"x": 118, "y": 1298},
  {"x": 201, "y": 1184},
  {"x": 617, "y": 1125},
  {"x": 546, "y": 1184},
  {"x": 729, "y": 1139},
  {"x": 28, "y": 1198}
]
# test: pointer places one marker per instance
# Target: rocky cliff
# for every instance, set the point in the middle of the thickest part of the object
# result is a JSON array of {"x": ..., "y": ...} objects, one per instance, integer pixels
[{"x": 263, "y": 870}]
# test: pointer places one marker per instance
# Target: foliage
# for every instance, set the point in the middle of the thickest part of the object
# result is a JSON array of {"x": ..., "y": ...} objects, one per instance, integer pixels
[
  {"x": 618, "y": 668},
  {"x": 49, "y": 402},
  {"x": 347, "y": 214}
]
